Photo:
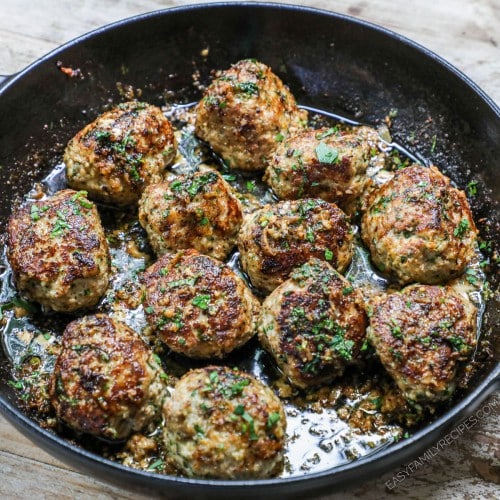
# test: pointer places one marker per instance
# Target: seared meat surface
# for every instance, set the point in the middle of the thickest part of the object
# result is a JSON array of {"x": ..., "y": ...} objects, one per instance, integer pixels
[
  {"x": 196, "y": 210},
  {"x": 122, "y": 151},
  {"x": 198, "y": 306},
  {"x": 324, "y": 163},
  {"x": 244, "y": 114},
  {"x": 277, "y": 238},
  {"x": 419, "y": 228},
  {"x": 106, "y": 380},
  {"x": 420, "y": 335},
  {"x": 223, "y": 423},
  {"x": 58, "y": 252},
  {"x": 313, "y": 324}
]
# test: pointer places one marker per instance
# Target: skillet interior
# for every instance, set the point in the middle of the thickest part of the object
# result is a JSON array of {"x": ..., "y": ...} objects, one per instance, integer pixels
[{"x": 330, "y": 62}]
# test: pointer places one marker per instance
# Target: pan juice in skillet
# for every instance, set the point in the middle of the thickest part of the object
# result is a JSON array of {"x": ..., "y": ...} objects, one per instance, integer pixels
[{"x": 351, "y": 417}]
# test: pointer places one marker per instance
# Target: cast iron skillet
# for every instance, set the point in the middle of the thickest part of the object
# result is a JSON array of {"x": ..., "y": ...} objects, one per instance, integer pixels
[{"x": 330, "y": 61}]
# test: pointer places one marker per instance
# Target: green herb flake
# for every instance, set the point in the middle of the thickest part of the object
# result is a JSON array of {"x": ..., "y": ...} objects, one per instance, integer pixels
[
  {"x": 328, "y": 255},
  {"x": 201, "y": 301},
  {"x": 80, "y": 197},
  {"x": 213, "y": 377},
  {"x": 472, "y": 188},
  {"x": 35, "y": 213},
  {"x": 327, "y": 133},
  {"x": 433, "y": 145},
  {"x": 462, "y": 228},
  {"x": 157, "y": 465},
  {"x": 250, "y": 185},
  {"x": 176, "y": 186},
  {"x": 326, "y": 154},
  {"x": 239, "y": 409},
  {"x": 273, "y": 419},
  {"x": 279, "y": 137},
  {"x": 457, "y": 342},
  {"x": 249, "y": 88},
  {"x": 182, "y": 282},
  {"x": 199, "y": 430}
]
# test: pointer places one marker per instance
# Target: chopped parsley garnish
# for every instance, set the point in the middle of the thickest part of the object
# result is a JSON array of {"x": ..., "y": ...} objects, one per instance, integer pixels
[
  {"x": 433, "y": 145},
  {"x": 176, "y": 185},
  {"x": 462, "y": 228},
  {"x": 326, "y": 133},
  {"x": 34, "y": 213},
  {"x": 273, "y": 419},
  {"x": 157, "y": 465},
  {"x": 249, "y": 88},
  {"x": 60, "y": 225},
  {"x": 182, "y": 282},
  {"x": 472, "y": 188},
  {"x": 396, "y": 330},
  {"x": 326, "y": 154},
  {"x": 328, "y": 254},
  {"x": 80, "y": 197},
  {"x": 201, "y": 301},
  {"x": 457, "y": 342}
]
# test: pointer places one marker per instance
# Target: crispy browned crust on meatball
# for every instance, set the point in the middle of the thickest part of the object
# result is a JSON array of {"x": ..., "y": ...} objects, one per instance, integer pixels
[
  {"x": 245, "y": 112},
  {"x": 324, "y": 163},
  {"x": 277, "y": 238},
  {"x": 58, "y": 252},
  {"x": 121, "y": 152},
  {"x": 313, "y": 324},
  {"x": 195, "y": 210},
  {"x": 106, "y": 380},
  {"x": 419, "y": 228},
  {"x": 198, "y": 306},
  {"x": 223, "y": 423},
  {"x": 420, "y": 335}
]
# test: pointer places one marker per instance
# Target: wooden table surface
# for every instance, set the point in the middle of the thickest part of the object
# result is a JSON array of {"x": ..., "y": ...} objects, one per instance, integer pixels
[{"x": 466, "y": 33}]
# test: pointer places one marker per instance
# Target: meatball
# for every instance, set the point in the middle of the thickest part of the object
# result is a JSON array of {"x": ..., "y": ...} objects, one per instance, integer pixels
[
  {"x": 313, "y": 324},
  {"x": 419, "y": 228},
  {"x": 58, "y": 252},
  {"x": 121, "y": 152},
  {"x": 277, "y": 238},
  {"x": 195, "y": 210},
  {"x": 198, "y": 306},
  {"x": 106, "y": 381},
  {"x": 324, "y": 163},
  {"x": 244, "y": 114},
  {"x": 223, "y": 423},
  {"x": 420, "y": 334}
]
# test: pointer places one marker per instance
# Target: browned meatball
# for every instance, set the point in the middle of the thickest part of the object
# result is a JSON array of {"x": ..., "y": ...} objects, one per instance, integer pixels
[
  {"x": 121, "y": 152},
  {"x": 198, "y": 306},
  {"x": 277, "y": 238},
  {"x": 419, "y": 228},
  {"x": 325, "y": 163},
  {"x": 420, "y": 334},
  {"x": 58, "y": 252},
  {"x": 223, "y": 423},
  {"x": 196, "y": 210},
  {"x": 244, "y": 114},
  {"x": 313, "y": 324},
  {"x": 106, "y": 380}
]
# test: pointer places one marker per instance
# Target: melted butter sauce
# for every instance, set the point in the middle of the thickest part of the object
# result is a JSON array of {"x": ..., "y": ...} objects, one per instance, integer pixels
[{"x": 327, "y": 427}]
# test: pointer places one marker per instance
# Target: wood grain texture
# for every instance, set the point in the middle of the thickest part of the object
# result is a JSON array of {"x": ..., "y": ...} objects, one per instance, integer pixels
[{"x": 464, "y": 32}]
